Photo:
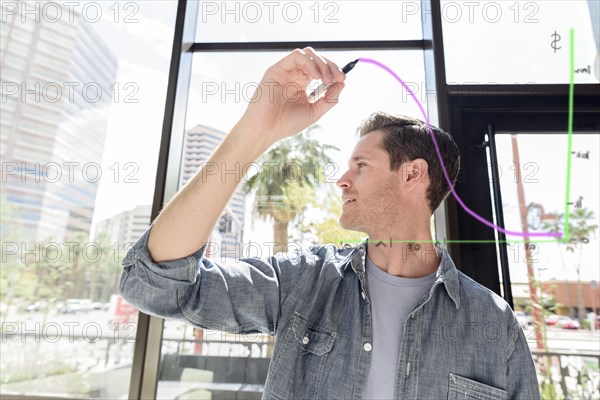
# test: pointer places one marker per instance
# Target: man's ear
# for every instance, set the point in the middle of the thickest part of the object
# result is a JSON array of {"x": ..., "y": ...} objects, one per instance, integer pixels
[{"x": 415, "y": 171}]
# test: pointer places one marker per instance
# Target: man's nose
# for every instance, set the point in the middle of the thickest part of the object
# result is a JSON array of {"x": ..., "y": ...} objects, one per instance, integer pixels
[{"x": 344, "y": 181}]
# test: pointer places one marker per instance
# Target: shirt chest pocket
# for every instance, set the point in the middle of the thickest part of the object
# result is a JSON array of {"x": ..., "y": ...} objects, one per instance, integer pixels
[
  {"x": 461, "y": 388},
  {"x": 296, "y": 370},
  {"x": 312, "y": 338}
]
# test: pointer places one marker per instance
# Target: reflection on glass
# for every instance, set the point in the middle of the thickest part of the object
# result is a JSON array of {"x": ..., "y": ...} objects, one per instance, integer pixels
[
  {"x": 554, "y": 283},
  {"x": 75, "y": 190}
]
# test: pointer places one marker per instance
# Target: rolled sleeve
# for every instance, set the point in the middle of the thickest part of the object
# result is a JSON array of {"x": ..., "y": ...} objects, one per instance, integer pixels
[
  {"x": 234, "y": 295},
  {"x": 154, "y": 287},
  {"x": 182, "y": 271}
]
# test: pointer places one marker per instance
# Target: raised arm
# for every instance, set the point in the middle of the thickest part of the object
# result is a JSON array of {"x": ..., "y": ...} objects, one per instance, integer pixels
[{"x": 279, "y": 108}]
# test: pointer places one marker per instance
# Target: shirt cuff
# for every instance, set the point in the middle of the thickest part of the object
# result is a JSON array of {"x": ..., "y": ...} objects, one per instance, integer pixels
[{"x": 182, "y": 269}]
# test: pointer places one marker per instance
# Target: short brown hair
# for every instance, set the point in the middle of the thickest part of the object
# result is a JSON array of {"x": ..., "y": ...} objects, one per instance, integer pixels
[{"x": 409, "y": 138}]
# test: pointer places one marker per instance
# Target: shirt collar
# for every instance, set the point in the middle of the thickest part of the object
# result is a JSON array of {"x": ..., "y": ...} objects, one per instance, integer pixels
[{"x": 446, "y": 274}]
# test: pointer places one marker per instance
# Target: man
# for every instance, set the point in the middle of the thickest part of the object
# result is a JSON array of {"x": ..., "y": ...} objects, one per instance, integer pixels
[{"x": 389, "y": 318}]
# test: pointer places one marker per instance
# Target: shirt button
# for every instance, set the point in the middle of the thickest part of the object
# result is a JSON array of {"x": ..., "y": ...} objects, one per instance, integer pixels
[
  {"x": 305, "y": 340},
  {"x": 362, "y": 294},
  {"x": 367, "y": 346}
]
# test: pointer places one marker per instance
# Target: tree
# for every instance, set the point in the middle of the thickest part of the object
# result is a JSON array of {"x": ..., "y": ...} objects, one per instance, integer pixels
[
  {"x": 290, "y": 172},
  {"x": 104, "y": 272},
  {"x": 16, "y": 279},
  {"x": 578, "y": 236}
]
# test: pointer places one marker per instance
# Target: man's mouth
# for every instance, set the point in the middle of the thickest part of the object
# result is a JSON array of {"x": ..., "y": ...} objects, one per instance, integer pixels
[{"x": 347, "y": 201}]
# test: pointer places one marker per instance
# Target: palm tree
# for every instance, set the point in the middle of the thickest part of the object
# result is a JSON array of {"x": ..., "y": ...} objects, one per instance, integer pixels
[
  {"x": 285, "y": 185},
  {"x": 579, "y": 233}
]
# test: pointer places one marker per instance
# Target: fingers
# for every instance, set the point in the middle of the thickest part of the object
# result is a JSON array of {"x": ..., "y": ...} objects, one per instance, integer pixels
[
  {"x": 314, "y": 65},
  {"x": 330, "y": 100},
  {"x": 333, "y": 93},
  {"x": 298, "y": 59},
  {"x": 336, "y": 72},
  {"x": 326, "y": 67}
]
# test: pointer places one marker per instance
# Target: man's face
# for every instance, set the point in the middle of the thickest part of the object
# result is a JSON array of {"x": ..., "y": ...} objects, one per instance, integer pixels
[{"x": 371, "y": 192}]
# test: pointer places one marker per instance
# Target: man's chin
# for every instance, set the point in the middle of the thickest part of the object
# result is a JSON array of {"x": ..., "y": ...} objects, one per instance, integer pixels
[
  {"x": 348, "y": 225},
  {"x": 343, "y": 222}
]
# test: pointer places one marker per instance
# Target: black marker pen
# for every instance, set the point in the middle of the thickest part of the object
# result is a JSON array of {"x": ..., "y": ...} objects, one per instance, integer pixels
[{"x": 320, "y": 91}]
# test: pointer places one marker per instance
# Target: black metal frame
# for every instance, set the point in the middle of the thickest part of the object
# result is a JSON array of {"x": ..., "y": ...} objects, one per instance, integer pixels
[
  {"x": 321, "y": 45},
  {"x": 491, "y": 143},
  {"x": 471, "y": 115}
]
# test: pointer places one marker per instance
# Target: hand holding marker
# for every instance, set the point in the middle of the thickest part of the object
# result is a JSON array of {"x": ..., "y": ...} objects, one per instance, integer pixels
[{"x": 320, "y": 91}]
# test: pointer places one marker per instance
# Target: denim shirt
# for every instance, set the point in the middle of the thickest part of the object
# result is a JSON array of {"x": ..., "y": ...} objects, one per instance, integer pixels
[{"x": 461, "y": 341}]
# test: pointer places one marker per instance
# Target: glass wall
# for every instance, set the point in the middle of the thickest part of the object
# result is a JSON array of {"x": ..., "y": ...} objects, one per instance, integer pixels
[{"x": 81, "y": 119}]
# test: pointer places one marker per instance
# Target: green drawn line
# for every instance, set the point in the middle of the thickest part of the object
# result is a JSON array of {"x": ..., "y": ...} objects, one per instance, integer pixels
[
  {"x": 570, "y": 127},
  {"x": 450, "y": 241}
]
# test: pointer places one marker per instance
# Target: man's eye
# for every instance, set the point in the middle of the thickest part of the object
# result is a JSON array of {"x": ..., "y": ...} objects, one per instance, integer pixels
[{"x": 361, "y": 165}]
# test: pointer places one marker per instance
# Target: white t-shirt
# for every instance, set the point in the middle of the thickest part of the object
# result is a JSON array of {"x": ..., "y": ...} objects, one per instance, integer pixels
[{"x": 392, "y": 299}]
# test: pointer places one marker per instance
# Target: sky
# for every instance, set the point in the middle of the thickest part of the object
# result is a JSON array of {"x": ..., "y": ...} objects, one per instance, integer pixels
[{"x": 482, "y": 47}]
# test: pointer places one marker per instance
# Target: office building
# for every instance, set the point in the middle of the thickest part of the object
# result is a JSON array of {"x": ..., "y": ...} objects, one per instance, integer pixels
[
  {"x": 57, "y": 89},
  {"x": 126, "y": 227}
]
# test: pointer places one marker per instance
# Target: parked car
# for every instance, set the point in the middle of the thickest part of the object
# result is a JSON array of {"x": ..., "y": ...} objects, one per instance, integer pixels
[
  {"x": 100, "y": 306},
  {"x": 86, "y": 305},
  {"x": 565, "y": 322},
  {"x": 38, "y": 306},
  {"x": 551, "y": 320},
  {"x": 70, "y": 306}
]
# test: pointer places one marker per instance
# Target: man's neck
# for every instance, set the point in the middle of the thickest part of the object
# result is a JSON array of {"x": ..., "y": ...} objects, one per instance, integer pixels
[{"x": 408, "y": 258}]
